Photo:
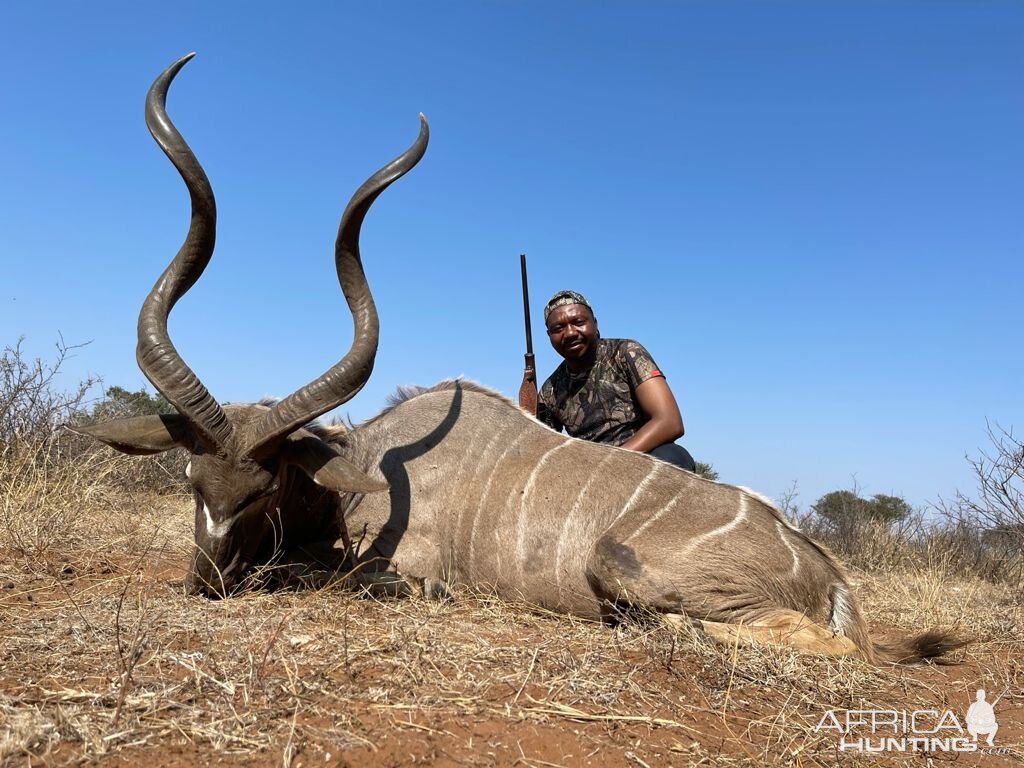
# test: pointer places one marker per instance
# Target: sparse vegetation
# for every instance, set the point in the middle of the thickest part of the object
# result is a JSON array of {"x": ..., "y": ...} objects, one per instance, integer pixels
[
  {"x": 32, "y": 405},
  {"x": 707, "y": 471},
  {"x": 990, "y": 522},
  {"x": 102, "y": 656},
  {"x": 119, "y": 402},
  {"x": 164, "y": 472},
  {"x": 977, "y": 537},
  {"x": 845, "y": 510}
]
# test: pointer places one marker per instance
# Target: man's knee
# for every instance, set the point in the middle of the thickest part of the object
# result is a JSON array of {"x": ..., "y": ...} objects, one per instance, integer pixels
[{"x": 674, "y": 454}]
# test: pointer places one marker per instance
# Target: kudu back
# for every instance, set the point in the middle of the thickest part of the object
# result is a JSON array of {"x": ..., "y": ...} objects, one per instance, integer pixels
[{"x": 479, "y": 492}]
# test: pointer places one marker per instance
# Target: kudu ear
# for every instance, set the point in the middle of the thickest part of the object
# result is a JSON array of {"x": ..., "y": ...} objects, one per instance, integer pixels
[
  {"x": 327, "y": 467},
  {"x": 141, "y": 435}
]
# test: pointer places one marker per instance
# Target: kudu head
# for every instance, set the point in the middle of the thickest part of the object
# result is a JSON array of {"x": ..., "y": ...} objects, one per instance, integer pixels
[{"x": 243, "y": 456}]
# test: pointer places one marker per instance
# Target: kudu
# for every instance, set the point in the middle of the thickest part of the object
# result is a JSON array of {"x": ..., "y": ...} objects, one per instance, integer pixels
[{"x": 480, "y": 492}]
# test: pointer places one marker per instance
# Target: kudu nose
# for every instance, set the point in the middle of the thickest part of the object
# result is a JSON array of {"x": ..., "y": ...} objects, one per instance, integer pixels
[{"x": 206, "y": 579}]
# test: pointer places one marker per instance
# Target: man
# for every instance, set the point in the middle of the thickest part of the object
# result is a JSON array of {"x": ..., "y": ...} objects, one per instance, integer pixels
[
  {"x": 981, "y": 718},
  {"x": 607, "y": 390}
]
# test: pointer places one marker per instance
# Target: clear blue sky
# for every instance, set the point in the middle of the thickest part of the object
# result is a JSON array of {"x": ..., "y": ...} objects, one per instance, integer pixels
[{"x": 810, "y": 213}]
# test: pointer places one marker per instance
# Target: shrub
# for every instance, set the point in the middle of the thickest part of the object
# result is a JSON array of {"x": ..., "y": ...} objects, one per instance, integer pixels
[
  {"x": 31, "y": 405},
  {"x": 48, "y": 474},
  {"x": 164, "y": 472},
  {"x": 989, "y": 525},
  {"x": 845, "y": 510}
]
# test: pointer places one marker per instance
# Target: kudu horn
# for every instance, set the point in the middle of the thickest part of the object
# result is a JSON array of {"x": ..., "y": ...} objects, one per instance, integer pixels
[
  {"x": 345, "y": 378},
  {"x": 156, "y": 354},
  {"x": 157, "y": 357}
]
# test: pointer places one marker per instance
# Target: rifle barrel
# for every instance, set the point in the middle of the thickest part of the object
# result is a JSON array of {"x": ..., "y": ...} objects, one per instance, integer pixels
[
  {"x": 528, "y": 389},
  {"x": 526, "y": 305}
]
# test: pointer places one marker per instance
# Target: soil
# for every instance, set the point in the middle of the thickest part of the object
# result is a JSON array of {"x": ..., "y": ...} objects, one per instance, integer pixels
[{"x": 103, "y": 660}]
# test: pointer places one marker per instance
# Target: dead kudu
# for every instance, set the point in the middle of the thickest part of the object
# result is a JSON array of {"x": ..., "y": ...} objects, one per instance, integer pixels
[{"x": 480, "y": 492}]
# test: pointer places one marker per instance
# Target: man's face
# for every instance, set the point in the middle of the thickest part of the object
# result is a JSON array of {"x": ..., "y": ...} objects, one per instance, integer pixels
[{"x": 572, "y": 330}]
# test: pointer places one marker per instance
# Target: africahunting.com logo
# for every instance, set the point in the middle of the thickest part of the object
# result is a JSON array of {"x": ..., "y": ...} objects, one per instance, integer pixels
[{"x": 918, "y": 730}]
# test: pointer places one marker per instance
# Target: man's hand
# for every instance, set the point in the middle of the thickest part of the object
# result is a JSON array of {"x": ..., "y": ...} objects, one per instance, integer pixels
[{"x": 666, "y": 423}]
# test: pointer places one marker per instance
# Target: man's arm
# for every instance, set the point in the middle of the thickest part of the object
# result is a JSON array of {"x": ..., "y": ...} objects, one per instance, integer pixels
[
  {"x": 665, "y": 424},
  {"x": 545, "y": 411}
]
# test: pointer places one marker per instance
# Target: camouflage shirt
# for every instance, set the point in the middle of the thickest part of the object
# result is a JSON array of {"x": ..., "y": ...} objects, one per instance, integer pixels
[{"x": 599, "y": 404}]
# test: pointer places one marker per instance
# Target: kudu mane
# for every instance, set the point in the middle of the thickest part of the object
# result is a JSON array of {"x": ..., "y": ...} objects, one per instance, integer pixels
[
  {"x": 337, "y": 432},
  {"x": 406, "y": 392}
]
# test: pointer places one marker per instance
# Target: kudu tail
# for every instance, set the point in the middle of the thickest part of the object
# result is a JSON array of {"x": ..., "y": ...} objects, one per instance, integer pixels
[
  {"x": 932, "y": 644},
  {"x": 847, "y": 619}
]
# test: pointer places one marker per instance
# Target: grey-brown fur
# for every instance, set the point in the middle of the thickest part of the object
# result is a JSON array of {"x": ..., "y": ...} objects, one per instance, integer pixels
[{"x": 483, "y": 494}]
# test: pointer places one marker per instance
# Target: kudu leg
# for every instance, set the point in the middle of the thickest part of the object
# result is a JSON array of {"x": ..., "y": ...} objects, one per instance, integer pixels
[
  {"x": 785, "y": 628},
  {"x": 313, "y": 565},
  {"x": 623, "y": 584}
]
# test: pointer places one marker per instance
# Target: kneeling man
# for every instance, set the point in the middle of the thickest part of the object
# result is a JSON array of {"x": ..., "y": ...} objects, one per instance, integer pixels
[{"x": 607, "y": 390}]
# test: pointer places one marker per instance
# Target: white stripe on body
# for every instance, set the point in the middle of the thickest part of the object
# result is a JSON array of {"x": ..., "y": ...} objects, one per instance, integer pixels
[
  {"x": 486, "y": 492},
  {"x": 472, "y": 483},
  {"x": 571, "y": 516},
  {"x": 741, "y": 515},
  {"x": 783, "y": 534},
  {"x": 759, "y": 496},
  {"x": 640, "y": 488},
  {"x": 528, "y": 492},
  {"x": 651, "y": 520},
  {"x": 771, "y": 505}
]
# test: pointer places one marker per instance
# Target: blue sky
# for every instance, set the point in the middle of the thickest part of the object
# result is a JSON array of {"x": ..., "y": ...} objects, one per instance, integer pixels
[{"x": 810, "y": 213}]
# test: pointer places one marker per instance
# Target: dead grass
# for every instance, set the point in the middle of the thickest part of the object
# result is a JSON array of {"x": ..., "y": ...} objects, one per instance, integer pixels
[{"x": 104, "y": 659}]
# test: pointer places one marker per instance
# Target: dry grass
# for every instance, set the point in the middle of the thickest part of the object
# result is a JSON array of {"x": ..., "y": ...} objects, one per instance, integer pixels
[{"x": 103, "y": 658}]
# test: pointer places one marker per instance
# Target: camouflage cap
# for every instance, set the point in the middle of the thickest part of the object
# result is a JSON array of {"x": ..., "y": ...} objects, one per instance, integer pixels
[{"x": 561, "y": 298}]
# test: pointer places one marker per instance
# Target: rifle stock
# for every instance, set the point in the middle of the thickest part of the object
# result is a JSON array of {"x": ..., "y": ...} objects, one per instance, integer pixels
[{"x": 528, "y": 389}]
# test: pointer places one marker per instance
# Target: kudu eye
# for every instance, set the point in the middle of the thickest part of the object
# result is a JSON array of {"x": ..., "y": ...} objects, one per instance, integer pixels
[{"x": 270, "y": 490}]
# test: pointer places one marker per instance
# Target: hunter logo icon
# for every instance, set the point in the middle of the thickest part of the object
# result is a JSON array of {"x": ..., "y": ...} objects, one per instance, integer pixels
[
  {"x": 916, "y": 730},
  {"x": 981, "y": 717}
]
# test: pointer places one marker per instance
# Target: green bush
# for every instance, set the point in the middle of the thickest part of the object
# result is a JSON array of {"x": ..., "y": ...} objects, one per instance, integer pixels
[{"x": 845, "y": 510}]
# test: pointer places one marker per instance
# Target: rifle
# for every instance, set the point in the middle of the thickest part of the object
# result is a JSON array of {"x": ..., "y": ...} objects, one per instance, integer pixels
[
  {"x": 1000, "y": 696},
  {"x": 528, "y": 389}
]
